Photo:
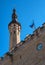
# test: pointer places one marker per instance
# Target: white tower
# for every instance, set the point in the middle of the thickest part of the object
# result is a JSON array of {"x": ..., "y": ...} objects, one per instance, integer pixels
[{"x": 14, "y": 29}]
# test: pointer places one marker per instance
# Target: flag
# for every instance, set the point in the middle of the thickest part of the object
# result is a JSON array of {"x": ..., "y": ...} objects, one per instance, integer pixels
[{"x": 32, "y": 25}]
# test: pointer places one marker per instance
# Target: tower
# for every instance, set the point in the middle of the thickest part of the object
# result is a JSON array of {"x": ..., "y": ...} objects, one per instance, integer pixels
[{"x": 14, "y": 29}]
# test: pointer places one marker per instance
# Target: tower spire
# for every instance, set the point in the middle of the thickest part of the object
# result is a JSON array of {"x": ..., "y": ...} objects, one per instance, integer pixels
[
  {"x": 14, "y": 28},
  {"x": 14, "y": 16}
]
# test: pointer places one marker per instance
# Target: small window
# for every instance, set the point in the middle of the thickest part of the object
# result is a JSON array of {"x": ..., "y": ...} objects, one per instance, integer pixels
[
  {"x": 14, "y": 32},
  {"x": 14, "y": 24},
  {"x": 39, "y": 46}
]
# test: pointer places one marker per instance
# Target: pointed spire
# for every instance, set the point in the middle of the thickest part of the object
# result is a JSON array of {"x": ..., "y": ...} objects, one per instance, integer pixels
[{"x": 14, "y": 16}]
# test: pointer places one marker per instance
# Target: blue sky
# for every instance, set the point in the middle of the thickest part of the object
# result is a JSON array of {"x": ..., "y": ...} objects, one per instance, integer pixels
[{"x": 26, "y": 10}]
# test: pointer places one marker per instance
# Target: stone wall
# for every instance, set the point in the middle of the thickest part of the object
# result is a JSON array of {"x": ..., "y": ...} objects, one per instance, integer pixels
[{"x": 27, "y": 52}]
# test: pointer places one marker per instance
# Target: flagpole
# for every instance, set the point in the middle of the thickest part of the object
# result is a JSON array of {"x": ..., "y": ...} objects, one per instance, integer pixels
[
  {"x": 36, "y": 30},
  {"x": 34, "y": 25}
]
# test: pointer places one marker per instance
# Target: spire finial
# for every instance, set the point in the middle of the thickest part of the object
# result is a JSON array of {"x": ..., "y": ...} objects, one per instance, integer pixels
[{"x": 14, "y": 16}]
